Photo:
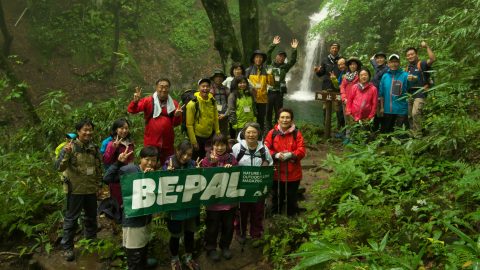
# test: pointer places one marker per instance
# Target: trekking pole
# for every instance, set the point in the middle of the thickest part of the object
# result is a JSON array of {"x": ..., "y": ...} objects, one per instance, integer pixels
[
  {"x": 242, "y": 244},
  {"x": 286, "y": 182},
  {"x": 278, "y": 187}
]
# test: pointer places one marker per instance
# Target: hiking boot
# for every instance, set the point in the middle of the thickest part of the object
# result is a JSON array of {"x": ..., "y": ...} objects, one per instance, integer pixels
[
  {"x": 213, "y": 255},
  {"x": 69, "y": 255},
  {"x": 227, "y": 254},
  {"x": 175, "y": 264},
  {"x": 191, "y": 264},
  {"x": 151, "y": 262},
  {"x": 241, "y": 239}
]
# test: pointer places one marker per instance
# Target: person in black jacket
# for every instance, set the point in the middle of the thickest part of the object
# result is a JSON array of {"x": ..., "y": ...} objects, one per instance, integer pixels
[
  {"x": 329, "y": 68},
  {"x": 135, "y": 229}
]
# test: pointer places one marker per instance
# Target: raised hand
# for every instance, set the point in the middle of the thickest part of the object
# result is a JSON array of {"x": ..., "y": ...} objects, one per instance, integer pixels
[
  {"x": 213, "y": 157},
  {"x": 123, "y": 157},
  {"x": 276, "y": 40},
  {"x": 170, "y": 165},
  {"x": 199, "y": 162},
  {"x": 138, "y": 94},
  {"x": 317, "y": 69},
  {"x": 117, "y": 142},
  {"x": 423, "y": 44},
  {"x": 68, "y": 147},
  {"x": 294, "y": 43},
  {"x": 332, "y": 75},
  {"x": 179, "y": 110}
]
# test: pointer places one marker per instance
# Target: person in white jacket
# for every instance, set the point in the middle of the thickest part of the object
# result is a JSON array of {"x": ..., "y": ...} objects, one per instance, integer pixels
[{"x": 250, "y": 151}]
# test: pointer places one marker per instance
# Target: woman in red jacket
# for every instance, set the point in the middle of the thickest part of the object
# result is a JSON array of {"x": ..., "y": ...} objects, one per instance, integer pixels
[
  {"x": 362, "y": 104},
  {"x": 286, "y": 146}
]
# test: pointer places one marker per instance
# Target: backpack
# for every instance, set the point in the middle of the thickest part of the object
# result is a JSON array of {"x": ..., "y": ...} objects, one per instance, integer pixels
[
  {"x": 243, "y": 150},
  {"x": 426, "y": 77},
  {"x": 186, "y": 97},
  {"x": 276, "y": 132}
]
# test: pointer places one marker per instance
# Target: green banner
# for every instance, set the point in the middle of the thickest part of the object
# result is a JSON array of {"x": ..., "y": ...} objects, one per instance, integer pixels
[{"x": 158, "y": 191}]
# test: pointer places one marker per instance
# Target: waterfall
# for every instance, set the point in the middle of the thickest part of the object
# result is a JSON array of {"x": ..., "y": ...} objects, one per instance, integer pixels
[{"x": 304, "y": 91}]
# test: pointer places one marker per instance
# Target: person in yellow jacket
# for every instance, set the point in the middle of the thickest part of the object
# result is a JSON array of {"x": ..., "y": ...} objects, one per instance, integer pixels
[
  {"x": 202, "y": 119},
  {"x": 260, "y": 76}
]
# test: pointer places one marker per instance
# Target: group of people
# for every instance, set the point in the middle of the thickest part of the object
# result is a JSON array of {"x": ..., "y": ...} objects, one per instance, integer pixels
[
  {"x": 222, "y": 127},
  {"x": 392, "y": 97},
  {"x": 229, "y": 122}
]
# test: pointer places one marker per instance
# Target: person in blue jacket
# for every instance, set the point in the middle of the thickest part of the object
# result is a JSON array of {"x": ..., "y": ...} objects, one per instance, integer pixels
[{"x": 393, "y": 95}]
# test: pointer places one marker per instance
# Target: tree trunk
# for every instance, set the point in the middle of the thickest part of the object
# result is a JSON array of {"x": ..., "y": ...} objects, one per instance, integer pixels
[
  {"x": 225, "y": 40},
  {"x": 10, "y": 73},
  {"x": 249, "y": 28},
  {"x": 117, "y": 6},
  {"x": 25, "y": 96},
  {"x": 6, "y": 35}
]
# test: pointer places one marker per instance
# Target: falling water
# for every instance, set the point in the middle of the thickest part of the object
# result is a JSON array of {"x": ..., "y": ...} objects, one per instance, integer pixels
[{"x": 304, "y": 92}]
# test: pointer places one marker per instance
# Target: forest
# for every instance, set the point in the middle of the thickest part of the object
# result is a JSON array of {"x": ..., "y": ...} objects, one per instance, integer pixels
[{"x": 388, "y": 201}]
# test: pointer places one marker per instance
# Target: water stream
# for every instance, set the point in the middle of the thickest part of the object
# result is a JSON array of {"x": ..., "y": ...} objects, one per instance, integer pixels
[
  {"x": 313, "y": 48},
  {"x": 302, "y": 100}
]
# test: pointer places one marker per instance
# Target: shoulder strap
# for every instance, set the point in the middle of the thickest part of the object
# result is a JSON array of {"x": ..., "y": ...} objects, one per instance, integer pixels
[
  {"x": 241, "y": 153},
  {"x": 263, "y": 156},
  {"x": 276, "y": 132}
]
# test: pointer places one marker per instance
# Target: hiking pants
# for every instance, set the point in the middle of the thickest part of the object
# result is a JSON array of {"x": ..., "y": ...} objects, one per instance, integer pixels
[
  {"x": 136, "y": 258},
  {"x": 219, "y": 222},
  {"x": 275, "y": 103},
  {"x": 415, "y": 114},
  {"x": 75, "y": 204},
  {"x": 203, "y": 145},
  {"x": 278, "y": 197},
  {"x": 261, "y": 112},
  {"x": 393, "y": 120},
  {"x": 254, "y": 212}
]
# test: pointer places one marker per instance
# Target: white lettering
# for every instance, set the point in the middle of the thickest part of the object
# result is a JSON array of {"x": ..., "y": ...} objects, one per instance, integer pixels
[
  {"x": 143, "y": 195},
  {"x": 216, "y": 187},
  {"x": 232, "y": 191},
  {"x": 193, "y": 184},
  {"x": 167, "y": 184}
]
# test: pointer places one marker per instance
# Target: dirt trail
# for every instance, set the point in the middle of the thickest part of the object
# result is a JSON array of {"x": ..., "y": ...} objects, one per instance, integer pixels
[{"x": 249, "y": 258}]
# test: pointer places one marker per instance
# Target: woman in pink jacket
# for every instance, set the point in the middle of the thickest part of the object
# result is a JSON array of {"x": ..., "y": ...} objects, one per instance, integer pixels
[
  {"x": 362, "y": 103},
  {"x": 350, "y": 78},
  {"x": 120, "y": 143}
]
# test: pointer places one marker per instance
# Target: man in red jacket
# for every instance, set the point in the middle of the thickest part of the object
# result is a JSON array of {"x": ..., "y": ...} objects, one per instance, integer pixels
[{"x": 162, "y": 113}]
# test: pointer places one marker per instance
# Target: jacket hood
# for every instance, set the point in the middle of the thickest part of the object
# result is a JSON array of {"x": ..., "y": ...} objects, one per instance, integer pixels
[
  {"x": 289, "y": 130},
  {"x": 259, "y": 52},
  {"x": 394, "y": 71},
  {"x": 197, "y": 94},
  {"x": 244, "y": 142}
]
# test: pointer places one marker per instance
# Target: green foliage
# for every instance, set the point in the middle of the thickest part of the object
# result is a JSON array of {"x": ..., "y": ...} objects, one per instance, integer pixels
[
  {"x": 105, "y": 249},
  {"x": 180, "y": 22}
]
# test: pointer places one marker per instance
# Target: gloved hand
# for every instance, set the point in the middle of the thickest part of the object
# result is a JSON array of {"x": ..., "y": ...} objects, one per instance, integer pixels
[{"x": 287, "y": 156}]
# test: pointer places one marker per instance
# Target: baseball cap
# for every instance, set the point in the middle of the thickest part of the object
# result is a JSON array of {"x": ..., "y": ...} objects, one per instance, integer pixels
[
  {"x": 71, "y": 136},
  {"x": 392, "y": 56},
  {"x": 204, "y": 80}
]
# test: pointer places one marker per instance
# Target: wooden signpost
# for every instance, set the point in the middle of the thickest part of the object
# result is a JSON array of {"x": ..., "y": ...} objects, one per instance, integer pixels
[{"x": 328, "y": 98}]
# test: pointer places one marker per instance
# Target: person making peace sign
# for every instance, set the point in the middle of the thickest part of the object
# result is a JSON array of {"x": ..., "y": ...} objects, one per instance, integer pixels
[{"x": 161, "y": 113}]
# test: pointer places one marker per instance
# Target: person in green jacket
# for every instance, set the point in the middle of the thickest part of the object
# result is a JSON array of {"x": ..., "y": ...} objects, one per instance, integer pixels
[
  {"x": 202, "y": 118},
  {"x": 241, "y": 104},
  {"x": 279, "y": 68},
  {"x": 81, "y": 164}
]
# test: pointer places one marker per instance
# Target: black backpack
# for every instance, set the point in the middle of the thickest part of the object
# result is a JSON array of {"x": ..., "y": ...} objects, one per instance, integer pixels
[
  {"x": 186, "y": 97},
  {"x": 243, "y": 150}
]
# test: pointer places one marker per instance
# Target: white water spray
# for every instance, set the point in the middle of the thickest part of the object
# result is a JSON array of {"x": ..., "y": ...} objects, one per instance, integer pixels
[{"x": 304, "y": 91}]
